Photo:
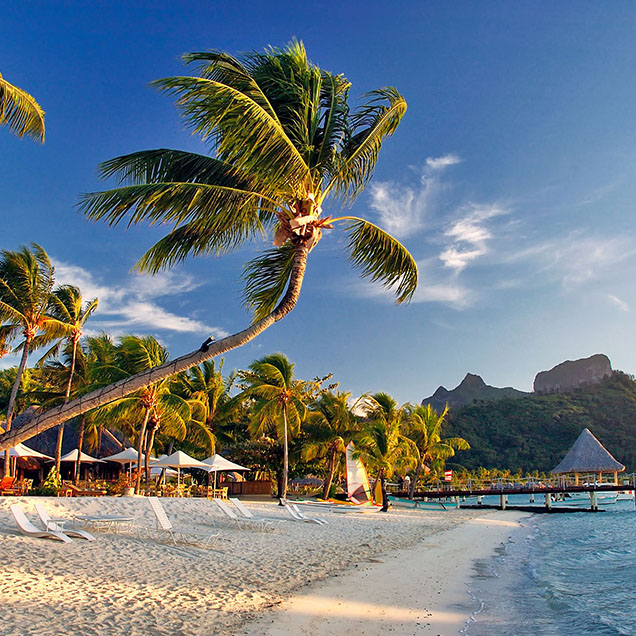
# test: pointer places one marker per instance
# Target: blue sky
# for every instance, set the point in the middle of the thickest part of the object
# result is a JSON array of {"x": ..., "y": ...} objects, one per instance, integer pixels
[{"x": 510, "y": 179}]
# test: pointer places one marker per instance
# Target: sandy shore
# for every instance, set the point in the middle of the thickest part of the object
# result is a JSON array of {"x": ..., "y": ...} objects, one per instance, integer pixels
[{"x": 367, "y": 574}]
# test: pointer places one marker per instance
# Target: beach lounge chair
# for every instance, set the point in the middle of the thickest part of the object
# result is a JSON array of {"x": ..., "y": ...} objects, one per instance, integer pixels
[
  {"x": 246, "y": 513},
  {"x": 57, "y": 525},
  {"x": 241, "y": 522},
  {"x": 296, "y": 515},
  {"x": 9, "y": 487},
  {"x": 176, "y": 534},
  {"x": 28, "y": 529}
]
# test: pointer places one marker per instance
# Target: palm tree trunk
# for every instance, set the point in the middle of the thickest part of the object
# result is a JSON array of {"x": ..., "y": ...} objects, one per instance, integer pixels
[
  {"x": 80, "y": 443},
  {"x": 12, "y": 399},
  {"x": 385, "y": 495},
  {"x": 140, "y": 446},
  {"x": 418, "y": 470},
  {"x": 332, "y": 469},
  {"x": 60, "y": 433},
  {"x": 209, "y": 349},
  {"x": 149, "y": 445},
  {"x": 283, "y": 494}
]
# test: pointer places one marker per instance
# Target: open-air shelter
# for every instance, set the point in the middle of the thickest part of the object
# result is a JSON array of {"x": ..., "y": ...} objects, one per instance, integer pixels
[{"x": 588, "y": 456}]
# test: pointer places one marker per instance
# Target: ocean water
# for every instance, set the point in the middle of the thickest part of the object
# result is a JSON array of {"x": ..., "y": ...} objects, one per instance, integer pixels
[{"x": 561, "y": 575}]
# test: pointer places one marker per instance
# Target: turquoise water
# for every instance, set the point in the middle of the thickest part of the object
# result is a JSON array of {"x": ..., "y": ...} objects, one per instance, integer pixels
[{"x": 561, "y": 575}]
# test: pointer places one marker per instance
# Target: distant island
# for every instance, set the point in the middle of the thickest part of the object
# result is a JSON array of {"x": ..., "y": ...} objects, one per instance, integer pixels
[{"x": 519, "y": 431}]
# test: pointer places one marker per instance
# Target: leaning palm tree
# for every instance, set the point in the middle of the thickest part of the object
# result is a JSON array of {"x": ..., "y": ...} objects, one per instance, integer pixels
[
  {"x": 287, "y": 145},
  {"x": 382, "y": 443},
  {"x": 331, "y": 425},
  {"x": 424, "y": 427},
  {"x": 26, "y": 281},
  {"x": 69, "y": 308},
  {"x": 20, "y": 111},
  {"x": 279, "y": 405}
]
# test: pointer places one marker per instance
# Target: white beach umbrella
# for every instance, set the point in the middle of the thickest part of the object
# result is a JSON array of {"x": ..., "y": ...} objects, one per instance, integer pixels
[
  {"x": 127, "y": 456},
  {"x": 218, "y": 463},
  {"x": 179, "y": 460},
  {"x": 21, "y": 450},
  {"x": 72, "y": 457}
]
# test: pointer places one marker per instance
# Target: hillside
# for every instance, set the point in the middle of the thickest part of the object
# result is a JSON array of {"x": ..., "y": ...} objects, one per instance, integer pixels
[{"x": 535, "y": 432}]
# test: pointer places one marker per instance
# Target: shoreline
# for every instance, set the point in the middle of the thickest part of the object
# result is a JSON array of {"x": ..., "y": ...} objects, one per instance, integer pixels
[
  {"x": 422, "y": 589},
  {"x": 134, "y": 584}
]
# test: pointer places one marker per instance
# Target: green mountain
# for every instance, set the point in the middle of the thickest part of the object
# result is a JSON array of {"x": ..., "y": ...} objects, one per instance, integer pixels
[
  {"x": 471, "y": 390},
  {"x": 536, "y": 431}
]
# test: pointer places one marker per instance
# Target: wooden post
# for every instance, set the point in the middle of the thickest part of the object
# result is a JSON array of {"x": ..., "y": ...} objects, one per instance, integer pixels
[
  {"x": 616, "y": 478},
  {"x": 594, "y": 499},
  {"x": 548, "y": 500},
  {"x": 576, "y": 479},
  {"x": 457, "y": 502},
  {"x": 502, "y": 502}
]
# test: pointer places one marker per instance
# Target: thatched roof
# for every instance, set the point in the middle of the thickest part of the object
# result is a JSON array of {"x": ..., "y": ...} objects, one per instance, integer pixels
[{"x": 588, "y": 455}]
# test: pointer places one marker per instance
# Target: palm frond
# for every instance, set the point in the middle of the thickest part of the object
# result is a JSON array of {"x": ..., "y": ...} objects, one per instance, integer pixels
[
  {"x": 226, "y": 69},
  {"x": 373, "y": 123},
  {"x": 382, "y": 258},
  {"x": 20, "y": 111},
  {"x": 244, "y": 133},
  {"x": 266, "y": 279}
]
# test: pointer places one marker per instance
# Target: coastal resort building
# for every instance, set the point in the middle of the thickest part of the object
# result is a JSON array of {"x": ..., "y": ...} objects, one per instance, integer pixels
[{"x": 586, "y": 456}]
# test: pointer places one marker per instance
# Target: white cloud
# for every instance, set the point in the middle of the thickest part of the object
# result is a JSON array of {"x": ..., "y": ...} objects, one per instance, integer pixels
[
  {"x": 131, "y": 305},
  {"x": 438, "y": 163},
  {"x": 469, "y": 236},
  {"x": 622, "y": 305},
  {"x": 403, "y": 209}
]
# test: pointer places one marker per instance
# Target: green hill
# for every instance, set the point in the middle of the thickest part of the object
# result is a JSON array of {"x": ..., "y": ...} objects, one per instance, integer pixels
[{"x": 535, "y": 432}]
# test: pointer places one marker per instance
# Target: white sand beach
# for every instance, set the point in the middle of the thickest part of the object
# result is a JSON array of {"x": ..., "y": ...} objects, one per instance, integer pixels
[{"x": 404, "y": 571}]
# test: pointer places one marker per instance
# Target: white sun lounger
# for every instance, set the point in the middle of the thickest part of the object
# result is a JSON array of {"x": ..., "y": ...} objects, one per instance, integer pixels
[
  {"x": 177, "y": 534},
  {"x": 246, "y": 513},
  {"x": 241, "y": 522},
  {"x": 296, "y": 515},
  {"x": 57, "y": 525},
  {"x": 27, "y": 528}
]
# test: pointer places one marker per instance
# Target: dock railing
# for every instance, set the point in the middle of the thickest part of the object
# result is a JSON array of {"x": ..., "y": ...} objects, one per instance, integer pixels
[{"x": 525, "y": 484}]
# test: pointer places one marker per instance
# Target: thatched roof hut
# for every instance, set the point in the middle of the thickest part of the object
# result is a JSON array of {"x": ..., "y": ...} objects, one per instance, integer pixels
[{"x": 588, "y": 455}]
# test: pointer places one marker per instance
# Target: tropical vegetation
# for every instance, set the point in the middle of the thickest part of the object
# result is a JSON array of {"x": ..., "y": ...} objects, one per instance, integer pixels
[{"x": 287, "y": 146}]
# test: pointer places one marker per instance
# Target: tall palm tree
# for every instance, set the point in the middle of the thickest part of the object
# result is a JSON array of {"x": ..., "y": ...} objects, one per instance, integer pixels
[
  {"x": 286, "y": 145},
  {"x": 20, "y": 111},
  {"x": 69, "y": 308},
  {"x": 382, "y": 444},
  {"x": 330, "y": 426},
  {"x": 278, "y": 403},
  {"x": 424, "y": 427},
  {"x": 26, "y": 281}
]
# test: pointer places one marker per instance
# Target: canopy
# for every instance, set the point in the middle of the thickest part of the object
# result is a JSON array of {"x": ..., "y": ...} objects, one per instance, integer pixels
[
  {"x": 126, "y": 456},
  {"x": 20, "y": 450},
  {"x": 588, "y": 455},
  {"x": 72, "y": 457},
  {"x": 218, "y": 462},
  {"x": 179, "y": 459}
]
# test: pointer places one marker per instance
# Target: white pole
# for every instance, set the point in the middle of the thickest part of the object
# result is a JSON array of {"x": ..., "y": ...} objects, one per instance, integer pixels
[{"x": 548, "y": 500}]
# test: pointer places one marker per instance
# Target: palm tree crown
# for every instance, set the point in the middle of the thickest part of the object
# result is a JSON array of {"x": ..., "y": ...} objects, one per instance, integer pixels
[{"x": 285, "y": 140}]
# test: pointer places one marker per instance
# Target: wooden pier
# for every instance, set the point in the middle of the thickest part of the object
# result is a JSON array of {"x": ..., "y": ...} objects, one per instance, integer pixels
[{"x": 550, "y": 490}]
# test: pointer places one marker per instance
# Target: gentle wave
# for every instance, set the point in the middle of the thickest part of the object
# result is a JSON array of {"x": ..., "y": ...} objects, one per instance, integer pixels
[{"x": 562, "y": 575}]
